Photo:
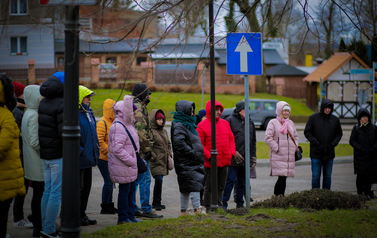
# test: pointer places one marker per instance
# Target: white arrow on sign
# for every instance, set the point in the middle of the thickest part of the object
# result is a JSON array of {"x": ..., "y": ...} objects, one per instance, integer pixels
[{"x": 243, "y": 47}]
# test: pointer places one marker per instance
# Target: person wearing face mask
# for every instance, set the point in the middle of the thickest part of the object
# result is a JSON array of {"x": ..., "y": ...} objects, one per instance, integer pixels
[
  {"x": 323, "y": 131},
  {"x": 141, "y": 98},
  {"x": 226, "y": 151},
  {"x": 363, "y": 139},
  {"x": 89, "y": 150},
  {"x": 160, "y": 154},
  {"x": 281, "y": 137}
]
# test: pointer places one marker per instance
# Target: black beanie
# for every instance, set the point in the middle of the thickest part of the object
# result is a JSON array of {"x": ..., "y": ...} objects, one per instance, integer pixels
[
  {"x": 141, "y": 91},
  {"x": 240, "y": 106}
]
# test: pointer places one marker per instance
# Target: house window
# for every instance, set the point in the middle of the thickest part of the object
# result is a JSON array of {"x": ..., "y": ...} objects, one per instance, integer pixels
[
  {"x": 60, "y": 62},
  {"x": 141, "y": 59},
  {"x": 18, "y": 45},
  {"x": 111, "y": 60},
  {"x": 18, "y": 7}
]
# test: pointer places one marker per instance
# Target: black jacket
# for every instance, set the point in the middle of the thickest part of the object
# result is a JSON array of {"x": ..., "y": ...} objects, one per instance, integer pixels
[
  {"x": 188, "y": 153},
  {"x": 237, "y": 124},
  {"x": 323, "y": 132},
  {"x": 50, "y": 119},
  {"x": 364, "y": 141}
]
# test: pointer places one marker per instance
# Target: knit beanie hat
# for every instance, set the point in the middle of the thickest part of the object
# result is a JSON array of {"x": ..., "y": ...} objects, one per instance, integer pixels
[
  {"x": 159, "y": 115},
  {"x": 18, "y": 89},
  {"x": 240, "y": 106},
  {"x": 286, "y": 107}
]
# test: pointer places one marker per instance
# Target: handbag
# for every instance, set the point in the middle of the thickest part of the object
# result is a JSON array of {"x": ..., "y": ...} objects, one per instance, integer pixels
[
  {"x": 298, "y": 153},
  {"x": 170, "y": 160},
  {"x": 141, "y": 163}
]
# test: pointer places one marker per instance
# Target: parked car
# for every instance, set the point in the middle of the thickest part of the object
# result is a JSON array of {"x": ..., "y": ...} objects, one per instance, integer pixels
[
  {"x": 261, "y": 111},
  {"x": 107, "y": 70}
]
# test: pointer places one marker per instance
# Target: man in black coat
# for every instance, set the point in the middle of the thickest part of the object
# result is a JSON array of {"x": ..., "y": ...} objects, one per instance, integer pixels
[
  {"x": 236, "y": 170},
  {"x": 323, "y": 130}
]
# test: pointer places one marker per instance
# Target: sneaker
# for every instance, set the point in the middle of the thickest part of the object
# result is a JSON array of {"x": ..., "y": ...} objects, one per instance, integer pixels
[
  {"x": 138, "y": 213},
  {"x": 151, "y": 214},
  {"x": 51, "y": 235},
  {"x": 200, "y": 211},
  {"x": 24, "y": 223},
  {"x": 124, "y": 222}
]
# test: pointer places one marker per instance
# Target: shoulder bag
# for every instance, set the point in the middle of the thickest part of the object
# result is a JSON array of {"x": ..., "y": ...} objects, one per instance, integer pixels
[
  {"x": 298, "y": 152},
  {"x": 170, "y": 160},
  {"x": 141, "y": 163}
]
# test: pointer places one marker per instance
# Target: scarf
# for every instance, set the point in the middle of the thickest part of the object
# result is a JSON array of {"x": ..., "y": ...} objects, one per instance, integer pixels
[
  {"x": 284, "y": 122},
  {"x": 186, "y": 120}
]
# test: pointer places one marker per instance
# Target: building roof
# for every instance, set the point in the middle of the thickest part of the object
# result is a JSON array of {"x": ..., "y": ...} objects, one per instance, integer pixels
[
  {"x": 327, "y": 68},
  {"x": 271, "y": 56},
  {"x": 182, "y": 51},
  {"x": 285, "y": 70},
  {"x": 128, "y": 45}
]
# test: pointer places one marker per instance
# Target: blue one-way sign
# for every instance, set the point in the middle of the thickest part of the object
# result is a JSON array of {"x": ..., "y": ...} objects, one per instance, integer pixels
[{"x": 244, "y": 54}]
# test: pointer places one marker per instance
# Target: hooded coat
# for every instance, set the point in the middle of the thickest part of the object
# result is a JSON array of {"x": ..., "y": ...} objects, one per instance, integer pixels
[
  {"x": 32, "y": 161},
  {"x": 122, "y": 155},
  {"x": 282, "y": 148},
  {"x": 225, "y": 145},
  {"x": 363, "y": 139},
  {"x": 11, "y": 171},
  {"x": 187, "y": 152},
  {"x": 89, "y": 145},
  {"x": 324, "y": 132},
  {"x": 50, "y": 119},
  {"x": 161, "y": 146},
  {"x": 103, "y": 128}
]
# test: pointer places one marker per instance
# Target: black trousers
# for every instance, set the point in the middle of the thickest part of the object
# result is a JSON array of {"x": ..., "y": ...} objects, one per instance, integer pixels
[
  {"x": 85, "y": 187},
  {"x": 280, "y": 185},
  {"x": 4, "y": 209},
  {"x": 38, "y": 188},
  {"x": 363, "y": 183},
  {"x": 222, "y": 174}
]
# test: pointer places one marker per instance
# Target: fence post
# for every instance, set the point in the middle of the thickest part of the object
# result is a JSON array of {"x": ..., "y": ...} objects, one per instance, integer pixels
[{"x": 30, "y": 71}]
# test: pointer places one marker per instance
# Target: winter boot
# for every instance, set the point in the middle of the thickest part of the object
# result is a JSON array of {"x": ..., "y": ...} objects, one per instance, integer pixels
[
  {"x": 106, "y": 208},
  {"x": 159, "y": 207},
  {"x": 113, "y": 208}
]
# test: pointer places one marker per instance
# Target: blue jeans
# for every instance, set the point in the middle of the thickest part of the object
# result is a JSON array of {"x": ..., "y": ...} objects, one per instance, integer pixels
[
  {"x": 235, "y": 172},
  {"x": 144, "y": 182},
  {"x": 107, "y": 189},
  {"x": 53, "y": 171},
  {"x": 125, "y": 201},
  {"x": 326, "y": 166}
]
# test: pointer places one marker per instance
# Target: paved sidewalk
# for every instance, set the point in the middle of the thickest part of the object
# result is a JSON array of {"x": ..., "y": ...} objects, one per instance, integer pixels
[{"x": 343, "y": 179}]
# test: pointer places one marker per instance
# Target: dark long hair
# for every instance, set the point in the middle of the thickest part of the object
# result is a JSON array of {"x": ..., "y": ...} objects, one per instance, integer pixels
[{"x": 10, "y": 98}]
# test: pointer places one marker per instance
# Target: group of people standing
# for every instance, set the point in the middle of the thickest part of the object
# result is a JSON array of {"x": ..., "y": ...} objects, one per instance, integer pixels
[{"x": 127, "y": 130}]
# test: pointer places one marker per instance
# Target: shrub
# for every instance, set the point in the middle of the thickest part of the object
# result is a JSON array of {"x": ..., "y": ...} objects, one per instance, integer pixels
[
  {"x": 227, "y": 92},
  {"x": 175, "y": 89},
  {"x": 316, "y": 199},
  {"x": 107, "y": 86},
  {"x": 192, "y": 89},
  {"x": 93, "y": 85},
  {"x": 153, "y": 88}
]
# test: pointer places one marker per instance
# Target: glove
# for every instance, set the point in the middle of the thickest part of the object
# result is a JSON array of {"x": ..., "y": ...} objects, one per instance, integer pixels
[
  {"x": 148, "y": 156},
  {"x": 238, "y": 158},
  {"x": 253, "y": 163}
]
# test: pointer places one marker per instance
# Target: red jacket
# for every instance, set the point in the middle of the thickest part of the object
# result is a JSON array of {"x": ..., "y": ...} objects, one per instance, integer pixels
[{"x": 225, "y": 144}]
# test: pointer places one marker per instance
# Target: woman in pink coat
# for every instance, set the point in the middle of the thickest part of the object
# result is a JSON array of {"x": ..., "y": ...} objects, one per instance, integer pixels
[
  {"x": 282, "y": 148},
  {"x": 122, "y": 157}
]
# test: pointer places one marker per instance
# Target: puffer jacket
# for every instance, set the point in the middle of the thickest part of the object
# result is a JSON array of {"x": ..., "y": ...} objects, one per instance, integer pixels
[
  {"x": 324, "y": 132},
  {"x": 122, "y": 155},
  {"x": 161, "y": 147},
  {"x": 89, "y": 145},
  {"x": 237, "y": 124},
  {"x": 225, "y": 145},
  {"x": 50, "y": 119},
  {"x": 32, "y": 161},
  {"x": 187, "y": 152},
  {"x": 363, "y": 139},
  {"x": 282, "y": 148},
  {"x": 11, "y": 171},
  {"x": 103, "y": 128}
]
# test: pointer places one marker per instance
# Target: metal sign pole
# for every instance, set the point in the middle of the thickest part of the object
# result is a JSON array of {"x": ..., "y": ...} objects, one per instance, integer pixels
[
  {"x": 247, "y": 142},
  {"x": 374, "y": 91}
]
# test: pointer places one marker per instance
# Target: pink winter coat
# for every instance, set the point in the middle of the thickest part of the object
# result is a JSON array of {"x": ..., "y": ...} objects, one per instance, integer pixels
[
  {"x": 282, "y": 148},
  {"x": 122, "y": 155}
]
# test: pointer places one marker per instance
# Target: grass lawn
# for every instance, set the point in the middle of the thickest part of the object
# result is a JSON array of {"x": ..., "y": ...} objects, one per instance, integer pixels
[
  {"x": 273, "y": 222},
  {"x": 340, "y": 150},
  {"x": 166, "y": 101}
]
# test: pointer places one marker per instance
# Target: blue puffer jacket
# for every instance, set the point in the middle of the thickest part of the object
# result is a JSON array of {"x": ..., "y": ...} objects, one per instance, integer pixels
[{"x": 89, "y": 145}]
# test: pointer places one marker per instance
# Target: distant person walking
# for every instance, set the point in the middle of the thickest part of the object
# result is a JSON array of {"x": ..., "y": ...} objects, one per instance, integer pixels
[
  {"x": 364, "y": 141},
  {"x": 323, "y": 131},
  {"x": 282, "y": 148},
  {"x": 11, "y": 171},
  {"x": 103, "y": 129},
  {"x": 160, "y": 154},
  {"x": 188, "y": 156}
]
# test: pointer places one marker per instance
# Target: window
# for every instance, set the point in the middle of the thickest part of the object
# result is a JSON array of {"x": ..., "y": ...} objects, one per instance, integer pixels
[
  {"x": 18, "y": 45},
  {"x": 18, "y": 7},
  {"x": 140, "y": 60},
  {"x": 111, "y": 60}
]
